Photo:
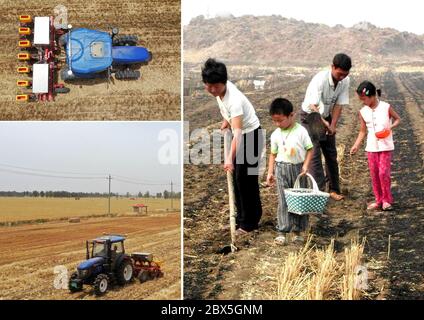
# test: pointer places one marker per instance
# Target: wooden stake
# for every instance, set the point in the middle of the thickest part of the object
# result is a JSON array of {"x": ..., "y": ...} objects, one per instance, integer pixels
[{"x": 231, "y": 197}]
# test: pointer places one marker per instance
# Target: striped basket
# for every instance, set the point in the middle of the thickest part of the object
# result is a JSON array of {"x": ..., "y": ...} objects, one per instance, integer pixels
[{"x": 306, "y": 201}]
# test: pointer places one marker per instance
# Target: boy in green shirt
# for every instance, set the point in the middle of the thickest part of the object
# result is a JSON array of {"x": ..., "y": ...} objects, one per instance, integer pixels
[{"x": 291, "y": 154}]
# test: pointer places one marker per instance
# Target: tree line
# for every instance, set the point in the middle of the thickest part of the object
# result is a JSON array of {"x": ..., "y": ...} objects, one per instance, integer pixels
[{"x": 66, "y": 194}]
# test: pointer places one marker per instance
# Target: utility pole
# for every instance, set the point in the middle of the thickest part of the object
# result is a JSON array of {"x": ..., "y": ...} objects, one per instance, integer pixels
[
  {"x": 172, "y": 204},
  {"x": 110, "y": 178}
]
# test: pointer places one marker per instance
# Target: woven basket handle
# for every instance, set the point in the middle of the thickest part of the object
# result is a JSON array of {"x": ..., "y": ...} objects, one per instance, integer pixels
[{"x": 314, "y": 183}]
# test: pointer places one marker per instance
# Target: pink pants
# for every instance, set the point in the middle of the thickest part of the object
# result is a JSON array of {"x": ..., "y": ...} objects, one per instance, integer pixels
[{"x": 379, "y": 163}]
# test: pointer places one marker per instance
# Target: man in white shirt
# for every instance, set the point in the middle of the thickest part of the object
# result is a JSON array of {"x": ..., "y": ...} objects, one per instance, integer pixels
[
  {"x": 327, "y": 93},
  {"x": 246, "y": 146}
]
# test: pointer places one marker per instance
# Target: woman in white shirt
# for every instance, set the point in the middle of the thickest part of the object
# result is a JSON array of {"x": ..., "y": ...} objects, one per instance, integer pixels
[{"x": 247, "y": 143}]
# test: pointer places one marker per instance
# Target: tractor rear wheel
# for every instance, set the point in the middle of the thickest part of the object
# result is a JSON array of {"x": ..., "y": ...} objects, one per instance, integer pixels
[
  {"x": 127, "y": 74},
  {"x": 125, "y": 40},
  {"x": 125, "y": 272},
  {"x": 71, "y": 285},
  {"x": 101, "y": 284}
]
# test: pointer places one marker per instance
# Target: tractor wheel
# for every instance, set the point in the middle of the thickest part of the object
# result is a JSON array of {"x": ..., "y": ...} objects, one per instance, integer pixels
[
  {"x": 125, "y": 272},
  {"x": 70, "y": 286},
  {"x": 125, "y": 40},
  {"x": 128, "y": 74},
  {"x": 143, "y": 276},
  {"x": 150, "y": 56},
  {"x": 62, "y": 90},
  {"x": 101, "y": 284}
]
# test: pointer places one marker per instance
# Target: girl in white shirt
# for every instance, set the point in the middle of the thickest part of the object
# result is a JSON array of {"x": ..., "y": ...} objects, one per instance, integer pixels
[{"x": 376, "y": 118}]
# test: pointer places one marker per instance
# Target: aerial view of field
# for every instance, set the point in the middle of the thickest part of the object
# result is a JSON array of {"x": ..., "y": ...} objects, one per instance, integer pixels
[
  {"x": 31, "y": 252},
  {"x": 389, "y": 245},
  {"x": 155, "y": 96}
]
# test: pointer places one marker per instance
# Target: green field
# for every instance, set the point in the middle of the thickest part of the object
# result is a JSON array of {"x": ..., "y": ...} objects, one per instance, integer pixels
[{"x": 23, "y": 209}]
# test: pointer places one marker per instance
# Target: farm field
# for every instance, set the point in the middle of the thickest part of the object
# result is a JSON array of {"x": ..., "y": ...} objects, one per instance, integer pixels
[
  {"x": 156, "y": 96},
  {"x": 394, "y": 240},
  {"x": 30, "y": 253},
  {"x": 14, "y": 209}
]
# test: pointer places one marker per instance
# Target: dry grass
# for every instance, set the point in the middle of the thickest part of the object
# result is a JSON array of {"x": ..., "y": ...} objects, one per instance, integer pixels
[
  {"x": 325, "y": 268},
  {"x": 314, "y": 274},
  {"x": 293, "y": 276},
  {"x": 350, "y": 289},
  {"x": 26, "y": 209}
]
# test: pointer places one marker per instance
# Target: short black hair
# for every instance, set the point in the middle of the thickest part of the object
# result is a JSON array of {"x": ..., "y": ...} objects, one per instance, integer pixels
[
  {"x": 342, "y": 61},
  {"x": 281, "y": 106},
  {"x": 367, "y": 88},
  {"x": 214, "y": 72}
]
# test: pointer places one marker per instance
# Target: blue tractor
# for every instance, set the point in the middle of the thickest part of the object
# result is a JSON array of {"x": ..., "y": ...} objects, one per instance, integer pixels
[
  {"x": 92, "y": 54},
  {"x": 106, "y": 263}
]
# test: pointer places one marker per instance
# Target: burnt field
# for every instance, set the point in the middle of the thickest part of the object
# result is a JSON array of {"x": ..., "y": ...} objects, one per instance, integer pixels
[
  {"x": 155, "y": 96},
  {"x": 394, "y": 244}
]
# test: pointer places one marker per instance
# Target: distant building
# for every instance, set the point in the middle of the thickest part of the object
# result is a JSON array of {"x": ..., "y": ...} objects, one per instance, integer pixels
[
  {"x": 259, "y": 84},
  {"x": 138, "y": 208}
]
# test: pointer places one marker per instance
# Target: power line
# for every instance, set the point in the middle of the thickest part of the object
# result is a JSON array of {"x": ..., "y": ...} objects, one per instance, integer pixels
[
  {"x": 45, "y": 173},
  {"x": 138, "y": 183},
  {"x": 49, "y": 175},
  {"x": 51, "y": 171}
]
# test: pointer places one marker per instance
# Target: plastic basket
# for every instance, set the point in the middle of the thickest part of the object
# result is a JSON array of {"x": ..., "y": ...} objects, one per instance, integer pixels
[{"x": 306, "y": 201}]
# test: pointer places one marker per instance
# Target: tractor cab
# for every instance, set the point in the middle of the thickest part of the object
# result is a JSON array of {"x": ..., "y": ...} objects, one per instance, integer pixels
[
  {"x": 110, "y": 248},
  {"x": 87, "y": 52}
]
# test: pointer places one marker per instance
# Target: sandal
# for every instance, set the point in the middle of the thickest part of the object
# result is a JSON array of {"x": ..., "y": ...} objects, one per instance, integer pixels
[
  {"x": 281, "y": 240},
  {"x": 298, "y": 239},
  {"x": 387, "y": 206},
  {"x": 374, "y": 206},
  {"x": 336, "y": 196}
]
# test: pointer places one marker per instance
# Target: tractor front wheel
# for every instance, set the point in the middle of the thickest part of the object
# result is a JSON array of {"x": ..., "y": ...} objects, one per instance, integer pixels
[
  {"x": 101, "y": 284},
  {"x": 125, "y": 40}
]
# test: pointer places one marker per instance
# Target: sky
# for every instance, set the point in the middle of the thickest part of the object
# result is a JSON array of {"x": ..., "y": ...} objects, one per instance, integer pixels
[
  {"x": 405, "y": 15},
  {"x": 143, "y": 153}
]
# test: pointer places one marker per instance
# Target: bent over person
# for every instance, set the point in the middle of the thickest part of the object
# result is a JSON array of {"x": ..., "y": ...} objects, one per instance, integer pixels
[
  {"x": 246, "y": 146},
  {"x": 326, "y": 94}
]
